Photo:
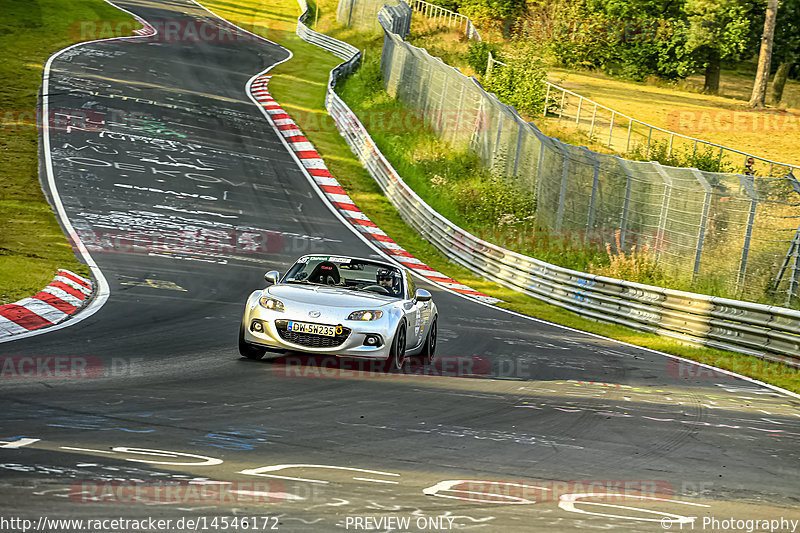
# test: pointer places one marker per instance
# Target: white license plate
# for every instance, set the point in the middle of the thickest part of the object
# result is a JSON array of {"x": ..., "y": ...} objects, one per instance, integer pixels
[{"x": 316, "y": 329}]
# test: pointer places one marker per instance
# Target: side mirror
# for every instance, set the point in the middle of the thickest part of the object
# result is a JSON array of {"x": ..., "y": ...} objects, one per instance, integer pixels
[
  {"x": 422, "y": 295},
  {"x": 272, "y": 276}
]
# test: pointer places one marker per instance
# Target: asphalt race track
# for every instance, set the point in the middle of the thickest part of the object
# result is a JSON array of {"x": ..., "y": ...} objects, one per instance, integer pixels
[{"x": 519, "y": 426}]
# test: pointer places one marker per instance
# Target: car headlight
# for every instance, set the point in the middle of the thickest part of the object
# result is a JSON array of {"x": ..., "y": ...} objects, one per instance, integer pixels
[
  {"x": 365, "y": 315},
  {"x": 271, "y": 303}
]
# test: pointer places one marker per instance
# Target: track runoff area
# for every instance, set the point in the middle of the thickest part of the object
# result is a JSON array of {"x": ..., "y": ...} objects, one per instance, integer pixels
[{"x": 140, "y": 410}]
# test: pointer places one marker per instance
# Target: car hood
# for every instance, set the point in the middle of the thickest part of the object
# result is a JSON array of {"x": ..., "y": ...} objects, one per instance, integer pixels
[{"x": 328, "y": 296}]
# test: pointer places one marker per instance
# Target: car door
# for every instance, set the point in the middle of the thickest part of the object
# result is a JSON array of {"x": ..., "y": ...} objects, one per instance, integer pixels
[{"x": 414, "y": 314}]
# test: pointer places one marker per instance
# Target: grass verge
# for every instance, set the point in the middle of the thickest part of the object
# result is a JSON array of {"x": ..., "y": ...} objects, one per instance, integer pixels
[
  {"x": 299, "y": 85},
  {"x": 32, "y": 244}
]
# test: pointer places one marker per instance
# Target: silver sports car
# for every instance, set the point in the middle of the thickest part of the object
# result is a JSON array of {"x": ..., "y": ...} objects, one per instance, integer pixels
[{"x": 344, "y": 306}]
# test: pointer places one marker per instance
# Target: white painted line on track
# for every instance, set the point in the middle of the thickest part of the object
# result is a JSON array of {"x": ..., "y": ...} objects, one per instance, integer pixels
[
  {"x": 567, "y": 502},
  {"x": 85, "y": 449}
]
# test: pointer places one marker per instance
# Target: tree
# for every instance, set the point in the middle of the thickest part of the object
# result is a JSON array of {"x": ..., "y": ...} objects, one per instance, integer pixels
[
  {"x": 654, "y": 42},
  {"x": 634, "y": 38},
  {"x": 488, "y": 10},
  {"x": 764, "y": 56},
  {"x": 718, "y": 30},
  {"x": 786, "y": 48}
]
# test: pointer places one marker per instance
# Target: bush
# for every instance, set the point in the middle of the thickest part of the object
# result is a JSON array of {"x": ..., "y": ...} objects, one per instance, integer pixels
[
  {"x": 483, "y": 10},
  {"x": 452, "y": 5},
  {"x": 639, "y": 266},
  {"x": 487, "y": 201},
  {"x": 520, "y": 82},
  {"x": 706, "y": 159},
  {"x": 478, "y": 55}
]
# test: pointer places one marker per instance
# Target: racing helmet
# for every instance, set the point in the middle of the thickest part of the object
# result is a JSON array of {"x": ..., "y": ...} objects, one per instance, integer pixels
[{"x": 384, "y": 274}]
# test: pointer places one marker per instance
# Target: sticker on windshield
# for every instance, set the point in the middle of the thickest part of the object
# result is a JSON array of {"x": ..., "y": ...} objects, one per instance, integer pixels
[{"x": 332, "y": 259}]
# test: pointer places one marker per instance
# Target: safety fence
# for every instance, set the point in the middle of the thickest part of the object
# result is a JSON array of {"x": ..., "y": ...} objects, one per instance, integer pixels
[
  {"x": 363, "y": 15},
  {"x": 765, "y": 331},
  {"x": 622, "y": 133},
  {"x": 727, "y": 229},
  {"x": 616, "y": 130}
]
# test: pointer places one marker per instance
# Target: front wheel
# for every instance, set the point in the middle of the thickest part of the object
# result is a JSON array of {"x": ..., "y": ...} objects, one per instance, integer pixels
[
  {"x": 247, "y": 349},
  {"x": 397, "y": 354},
  {"x": 428, "y": 353}
]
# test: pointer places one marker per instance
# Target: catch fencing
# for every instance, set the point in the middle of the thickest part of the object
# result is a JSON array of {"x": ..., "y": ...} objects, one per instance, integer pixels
[
  {"x": 765, "y": 331},
  {"x": 363, "y": 15},
  {"x": 623, "y": 134},
  {"x": 725, "y": 229}
]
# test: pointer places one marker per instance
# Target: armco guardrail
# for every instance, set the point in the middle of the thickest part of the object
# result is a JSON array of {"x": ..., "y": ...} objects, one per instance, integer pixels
[
  {"x": 338, "y": 48},
  {"x": 765, "y": 331}
]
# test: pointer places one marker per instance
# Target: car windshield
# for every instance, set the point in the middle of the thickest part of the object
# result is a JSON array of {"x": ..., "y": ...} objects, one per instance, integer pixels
[{"x": 344, "y": 272}]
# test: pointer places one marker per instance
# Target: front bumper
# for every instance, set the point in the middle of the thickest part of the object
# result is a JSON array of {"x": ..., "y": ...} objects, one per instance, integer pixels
[{"x": 353, "y": 345}]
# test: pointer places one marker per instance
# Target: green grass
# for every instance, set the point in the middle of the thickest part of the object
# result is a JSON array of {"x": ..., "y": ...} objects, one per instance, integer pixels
[
  {"x": 32, "y": 244},
  {"x": 299, "y": 85}
]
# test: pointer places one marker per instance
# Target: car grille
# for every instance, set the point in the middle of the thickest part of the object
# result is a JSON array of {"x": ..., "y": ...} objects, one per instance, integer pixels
[{"x": 309, "y": 339}]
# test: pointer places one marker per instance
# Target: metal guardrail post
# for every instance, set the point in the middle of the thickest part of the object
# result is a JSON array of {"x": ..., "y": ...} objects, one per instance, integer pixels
[
  {"x": 591, "y": 128},
  {"x": 520, "y": 133},
  {"x": 611, "y": 128},
  {"x": 578, "y": 117},
  {"x": 497, "y": 140},
  {"x": 662, "y": 219},
  {"x": 546, "y": 101},
  {"x": 623, "y": 223},
  {"x": 539, "y": 179},
  {"x": 794, "y": 280},
  {"x": 748, "y": 184},
  {"x": 561, "y": 109},
  {"x": 350, "y": 13},
  {"x": 701, "y": 234},
  {"x": 595, "y": 188},
  {"x": 442, "y": 110},
  {"x": 562, "y": 196},
  {"x": 628, "y": 144},
  {"x": 459, "y": 112}
]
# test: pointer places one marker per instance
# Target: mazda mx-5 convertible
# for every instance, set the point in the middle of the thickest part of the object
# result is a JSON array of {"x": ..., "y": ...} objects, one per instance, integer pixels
[{"x": 345, "y": 306}]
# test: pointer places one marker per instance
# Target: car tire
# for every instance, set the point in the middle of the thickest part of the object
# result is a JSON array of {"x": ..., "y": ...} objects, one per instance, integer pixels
[
  {"x": 428, "y": 353},
  {"x": 397, "y": 353},
  {"x": 248, "y": 350}
]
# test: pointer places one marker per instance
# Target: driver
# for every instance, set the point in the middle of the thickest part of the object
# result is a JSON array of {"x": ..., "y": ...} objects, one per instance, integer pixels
[{"x": 385, "y": 279}]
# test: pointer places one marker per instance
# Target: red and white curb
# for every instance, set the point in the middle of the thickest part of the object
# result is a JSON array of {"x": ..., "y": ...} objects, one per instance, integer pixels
[
  {"x": 338, "y": 197},
  {"x": 146, "y": 30},
  {"x": 53, "y": 304}
]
